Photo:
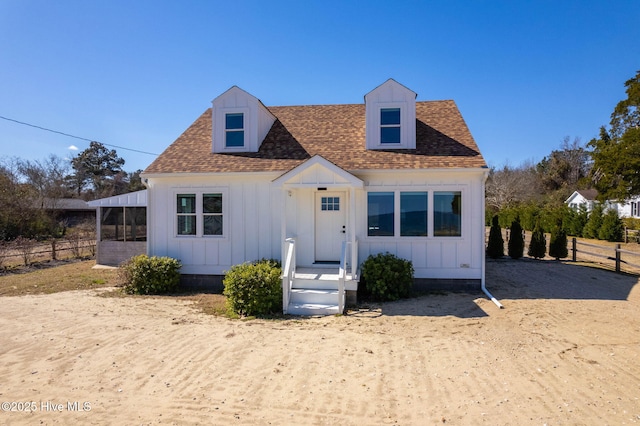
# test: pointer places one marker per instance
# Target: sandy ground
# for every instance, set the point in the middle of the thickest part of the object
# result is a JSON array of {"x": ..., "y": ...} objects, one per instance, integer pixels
[{"x": 565, "y": 350}]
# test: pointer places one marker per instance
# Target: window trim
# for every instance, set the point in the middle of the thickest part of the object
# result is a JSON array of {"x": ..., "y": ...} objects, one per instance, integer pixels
[
  {"x": 430, "y": 190},
  {"x": 199, "y": 193}
]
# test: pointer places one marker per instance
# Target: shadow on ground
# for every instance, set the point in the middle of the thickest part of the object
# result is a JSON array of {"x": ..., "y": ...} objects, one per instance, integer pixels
[{"x": 549, "y": 279}]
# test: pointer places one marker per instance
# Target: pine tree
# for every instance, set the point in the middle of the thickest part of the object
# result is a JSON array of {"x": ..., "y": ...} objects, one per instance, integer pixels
[
  {"x": 495, "y": 248},
  {"x": 558, "y": 243},
  {"x": 516, "y": 242},
  {"x": 538, "y": 244}
]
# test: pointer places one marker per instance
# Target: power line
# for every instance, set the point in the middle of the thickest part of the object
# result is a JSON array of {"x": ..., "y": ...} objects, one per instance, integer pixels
[{"x": 73, "y": 136}]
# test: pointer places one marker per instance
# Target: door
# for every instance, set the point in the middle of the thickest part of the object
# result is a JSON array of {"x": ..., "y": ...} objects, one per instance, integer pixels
[{"x": 330, "y": 225}]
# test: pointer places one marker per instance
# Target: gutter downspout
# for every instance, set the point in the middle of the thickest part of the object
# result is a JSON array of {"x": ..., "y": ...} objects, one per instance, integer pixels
[{"x": 484, "y": 260}]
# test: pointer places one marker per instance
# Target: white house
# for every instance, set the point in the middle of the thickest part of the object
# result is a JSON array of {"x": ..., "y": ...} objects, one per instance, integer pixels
[
  {"x": 583, "y": 198},
  {"x": 322, "y": 187},
  {"x": 587, "y": 198}
]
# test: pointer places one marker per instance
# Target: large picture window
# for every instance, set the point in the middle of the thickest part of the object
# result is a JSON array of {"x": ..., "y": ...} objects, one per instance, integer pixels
[
  {"x": 380, "y": 208},
  {"x": 408, "y": 214},
  {"x": 447, "y": 214},
  {"x": 413, "y": 214}
]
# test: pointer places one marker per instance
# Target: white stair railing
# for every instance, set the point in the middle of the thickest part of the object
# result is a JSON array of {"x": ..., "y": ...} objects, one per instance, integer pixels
[
  {"x": 288, "y": 272},
  {"x": 342, "y": 276}
]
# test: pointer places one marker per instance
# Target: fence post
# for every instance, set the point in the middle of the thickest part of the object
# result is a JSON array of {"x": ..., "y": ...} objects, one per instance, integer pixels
[
  {"x": 574, "y": 248},
  {"x": 618, "y": 257},
  {"x": 53, "y": 249}
]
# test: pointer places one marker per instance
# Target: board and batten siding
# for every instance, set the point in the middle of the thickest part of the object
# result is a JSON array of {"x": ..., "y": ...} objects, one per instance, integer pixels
[{"x": 251, "y": 229}]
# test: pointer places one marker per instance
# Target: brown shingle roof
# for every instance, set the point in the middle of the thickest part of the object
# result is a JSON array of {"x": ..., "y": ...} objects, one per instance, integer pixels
[{"x": 336, "y": 132}]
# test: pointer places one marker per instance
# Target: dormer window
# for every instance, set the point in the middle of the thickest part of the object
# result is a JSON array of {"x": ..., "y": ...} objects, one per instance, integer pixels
[
  {"x": 390, "y": 125},
  {"x": 240, "y": 122},
  {"x": 390, "y": 117},
  {"x": 234, "y": 130}
]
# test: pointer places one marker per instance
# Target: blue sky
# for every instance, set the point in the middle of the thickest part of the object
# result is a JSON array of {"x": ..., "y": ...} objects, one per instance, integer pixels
[{"x": 136, "y": 74}]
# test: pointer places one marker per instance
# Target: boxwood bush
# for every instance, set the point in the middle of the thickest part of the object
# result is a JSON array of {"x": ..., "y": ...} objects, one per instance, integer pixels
[
  {"x": 254, "y": 288},
  {"x": 150, "y": 275},
  {"x": 387, "y": 277}
]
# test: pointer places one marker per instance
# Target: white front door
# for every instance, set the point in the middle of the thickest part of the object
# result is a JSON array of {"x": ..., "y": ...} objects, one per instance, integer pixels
[{"x": 330, "y": 225}]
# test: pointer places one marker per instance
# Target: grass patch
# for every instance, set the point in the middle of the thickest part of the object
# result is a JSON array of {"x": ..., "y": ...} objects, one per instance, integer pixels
[{"x": 64, "y": 277}]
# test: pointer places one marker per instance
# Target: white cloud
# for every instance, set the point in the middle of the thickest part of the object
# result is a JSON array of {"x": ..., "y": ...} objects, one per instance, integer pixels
[{"x": 73, "y": 148}]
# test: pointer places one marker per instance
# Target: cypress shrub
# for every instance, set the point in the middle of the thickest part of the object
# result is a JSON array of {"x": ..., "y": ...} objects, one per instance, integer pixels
[
  {"x": 538, "y": 244},
  {"x": 612, "y": 228},
  {"x": 516, "y": 241},
  {"x": 558, "y": 243},
  {"x": 495, "y": 248},
  {"x": 592, "y": 227}
]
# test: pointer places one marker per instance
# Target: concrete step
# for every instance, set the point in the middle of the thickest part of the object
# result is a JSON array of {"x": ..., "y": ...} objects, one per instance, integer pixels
[
  {"x": 312, "y": 309},
  {"x": 314, "y": 296}
]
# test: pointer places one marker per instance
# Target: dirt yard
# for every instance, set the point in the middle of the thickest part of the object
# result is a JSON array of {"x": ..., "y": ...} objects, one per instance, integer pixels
[{"x": 565, "y": 350}]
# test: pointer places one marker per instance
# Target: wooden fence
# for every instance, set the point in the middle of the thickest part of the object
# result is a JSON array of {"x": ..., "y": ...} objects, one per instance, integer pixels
[
  {"x": 48, "y": 250},
  {"x": 613, "y": 254}
]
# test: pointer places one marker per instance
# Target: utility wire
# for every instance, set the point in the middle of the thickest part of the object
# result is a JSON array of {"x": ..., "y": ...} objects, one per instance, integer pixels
[{"x": 76, "y": 137}]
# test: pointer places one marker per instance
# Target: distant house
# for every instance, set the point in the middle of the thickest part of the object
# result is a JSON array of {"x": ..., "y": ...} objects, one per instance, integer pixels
[
  {"x": 70, "y": 211},
  {"x": 587, "y": 198},
  {"x": 583, "y": 198},
  {"x": 322, "y": 187}
]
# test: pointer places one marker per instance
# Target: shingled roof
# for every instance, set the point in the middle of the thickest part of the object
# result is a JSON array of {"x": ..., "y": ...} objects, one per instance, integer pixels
[{"x": 337, "y": 133}]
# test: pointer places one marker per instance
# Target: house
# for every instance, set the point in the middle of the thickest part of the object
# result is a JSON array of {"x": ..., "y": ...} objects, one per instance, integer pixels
[
  {"x": 582, "y": 199},
  {"x": 587, "y": 199},
  {"x": 322, "y": 187},
  {"x": 69, "y": 211},
  {"x": 630, "y": 208}
]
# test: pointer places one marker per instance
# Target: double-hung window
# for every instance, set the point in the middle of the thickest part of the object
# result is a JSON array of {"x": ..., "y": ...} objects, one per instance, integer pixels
[
  {"x": 186, "y": 209},
  {"x": 389, "y": 125},
  {"x": 409, "y": 213},
  {"x": 212, "y": 214},
  {"x": 234, "y": 130},
  {"x": 200, "y": 214}
]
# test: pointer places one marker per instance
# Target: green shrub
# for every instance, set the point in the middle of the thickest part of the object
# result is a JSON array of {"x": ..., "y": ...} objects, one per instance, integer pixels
[
  {"x": 538, "y": 243},
  {"x": 495, "y": 247},
  {"x": 516, "y": 241},
  {"x": 254, "y": 288},
  {"x": 150, "y": 275},
  {"x": 612, "y": 227},
  {"x": 592, "y": 227},
  {"x": 387, "y": 277}
]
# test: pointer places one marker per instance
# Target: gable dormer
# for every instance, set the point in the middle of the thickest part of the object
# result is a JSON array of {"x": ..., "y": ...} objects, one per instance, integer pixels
[
  {"x": 390, "y": 117},
  {"x": 240, "y": 122}
]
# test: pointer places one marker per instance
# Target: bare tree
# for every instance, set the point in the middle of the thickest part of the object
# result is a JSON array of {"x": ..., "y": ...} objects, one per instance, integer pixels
[{"x": 509, "y": 185}]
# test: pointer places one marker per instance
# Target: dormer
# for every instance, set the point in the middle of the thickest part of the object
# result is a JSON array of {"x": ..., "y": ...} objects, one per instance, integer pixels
[
  {"x": 240, "y": 122},
  {"x": 390, "y": 117}
]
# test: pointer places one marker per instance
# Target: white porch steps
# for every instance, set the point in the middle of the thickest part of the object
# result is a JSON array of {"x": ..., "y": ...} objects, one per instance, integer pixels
[{"x": 314, "y": 292}]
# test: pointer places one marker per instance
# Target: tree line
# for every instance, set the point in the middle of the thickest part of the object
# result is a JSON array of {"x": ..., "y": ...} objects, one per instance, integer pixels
[
  {"x": 31, "y": 191},
  {"x": 535, "y": 193}
]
